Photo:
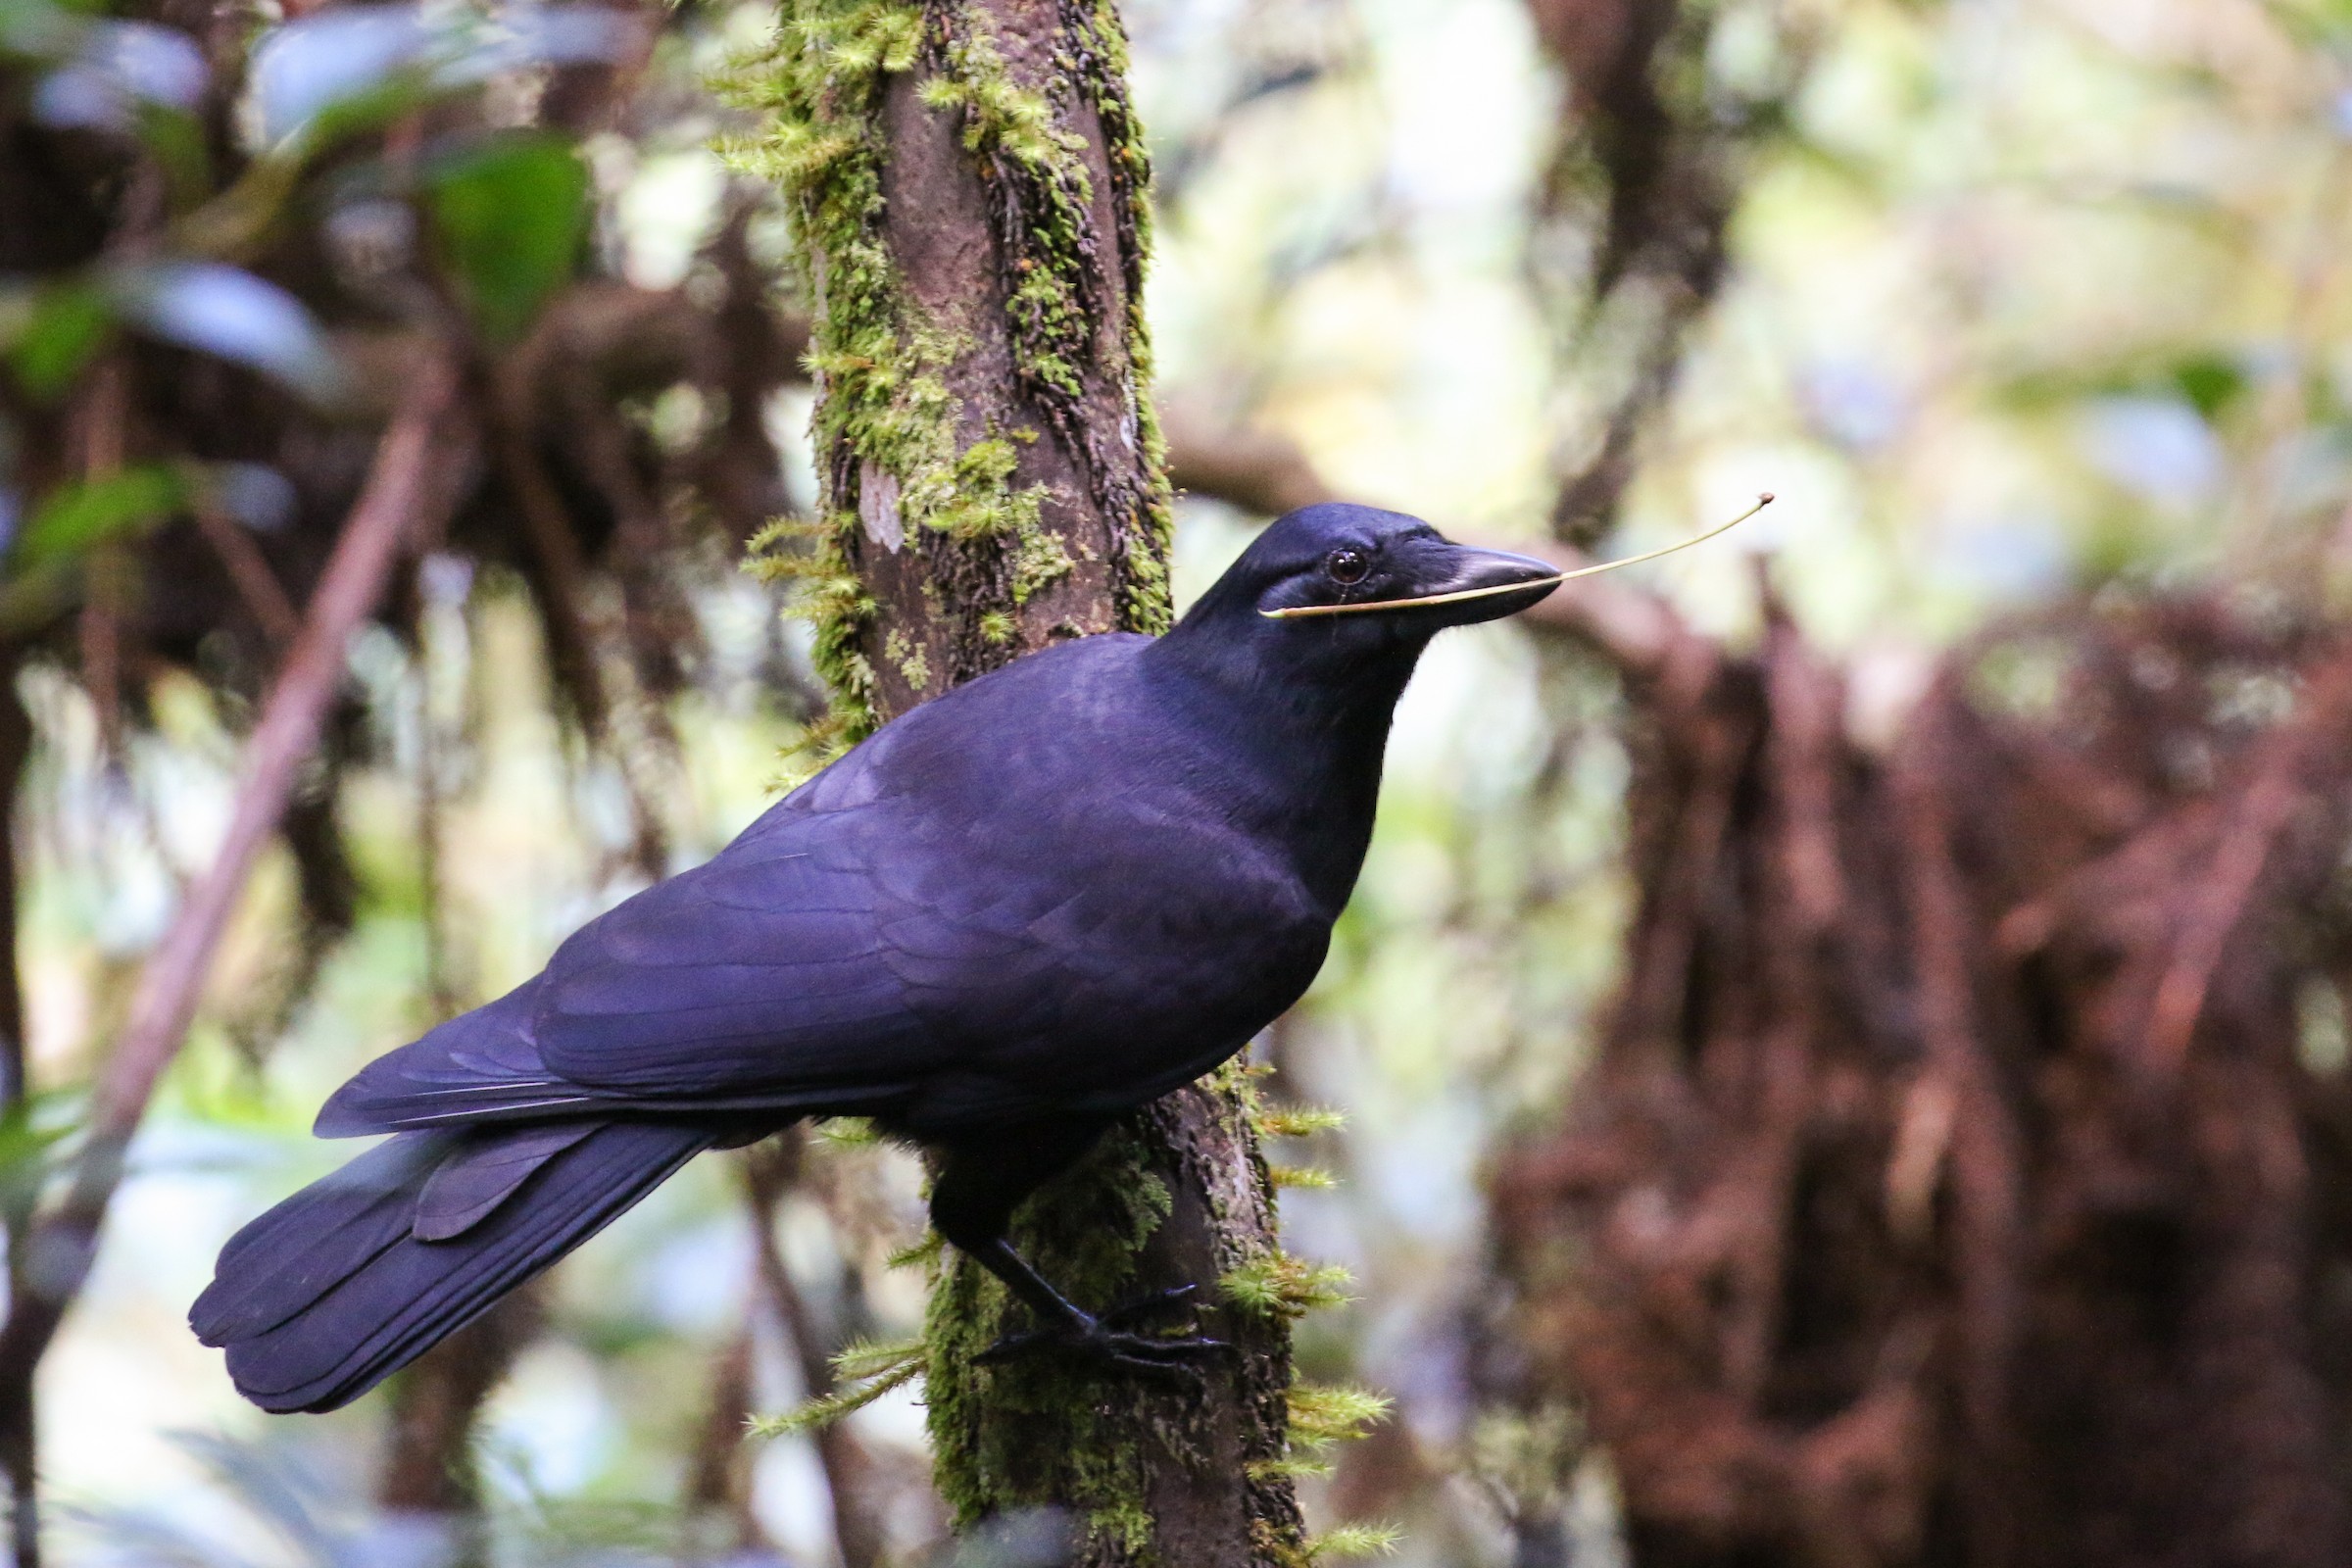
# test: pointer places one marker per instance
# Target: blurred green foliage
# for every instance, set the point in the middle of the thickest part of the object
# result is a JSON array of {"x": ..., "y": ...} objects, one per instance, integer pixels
[
  {"x": 80, "y": 513},
  {"x": 510, "y": 214}
]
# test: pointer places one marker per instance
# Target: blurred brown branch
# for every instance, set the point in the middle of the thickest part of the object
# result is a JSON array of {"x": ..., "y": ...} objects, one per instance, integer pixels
[
  {"x": 769, "y": 1171},
  {"x": 429, "y": 1465},
  {"x": 1249, "y": 468},
  {"x": 63, "y": 1241},
  {"x": 1648, "y": 169}
]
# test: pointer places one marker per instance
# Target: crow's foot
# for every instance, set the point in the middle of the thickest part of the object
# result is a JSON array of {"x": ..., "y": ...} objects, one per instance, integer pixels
[
  {"x": 1142, "y": 1309},
  {"x": 1106, "y": 1349},
  {"x": 1110, "y": 1343}
]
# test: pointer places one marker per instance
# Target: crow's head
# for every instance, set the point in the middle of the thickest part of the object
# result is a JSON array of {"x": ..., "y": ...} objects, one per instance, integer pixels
[
  {"x": 1345, "y": 575},
  {"x": 1334, "y": 604}
]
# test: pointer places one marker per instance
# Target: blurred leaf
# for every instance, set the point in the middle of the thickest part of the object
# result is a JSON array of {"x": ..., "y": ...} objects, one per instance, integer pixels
[
  {"x": 130, "y": 78},
  {"x": 2210, "y": 382},
  {"x": 337, "y": 71},
  {"x": 74, "y": 517},
  {"x": 28, "y": 1130},
  {"x": 36, "y": 30},
  {"x": 230, "y": 313},
  {"x": 64, "y": 328},
  {"x": 177, "y": 141},
  {"x": 2312, "y": 21},
  {"x": 117, "y": 68},
  {"x": 509, "y": 216},
  {"x": 237, "y": 223},
  {"x": 315, "y": 73}
]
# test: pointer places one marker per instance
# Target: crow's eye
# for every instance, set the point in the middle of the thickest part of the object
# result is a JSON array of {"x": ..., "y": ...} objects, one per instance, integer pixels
[{"x": 1347, "y": 567}]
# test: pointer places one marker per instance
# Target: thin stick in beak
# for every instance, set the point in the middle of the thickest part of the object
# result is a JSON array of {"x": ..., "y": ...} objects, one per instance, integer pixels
[{"x": 1301, "y": 612}]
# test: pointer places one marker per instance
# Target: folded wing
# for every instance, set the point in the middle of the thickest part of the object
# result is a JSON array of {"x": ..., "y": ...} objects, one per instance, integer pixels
[{"x": 758, "y": 981}]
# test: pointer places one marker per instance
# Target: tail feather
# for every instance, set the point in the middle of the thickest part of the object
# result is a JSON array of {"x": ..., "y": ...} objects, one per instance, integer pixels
[
  {"x": 469, "y": 1187},
  {"x": 330, "y": 1293},
  {"x": 307, "y": 1245}
]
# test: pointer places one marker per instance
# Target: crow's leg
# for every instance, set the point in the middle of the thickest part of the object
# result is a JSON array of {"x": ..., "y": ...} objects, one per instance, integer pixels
[{"x": 980, "y": 1184}]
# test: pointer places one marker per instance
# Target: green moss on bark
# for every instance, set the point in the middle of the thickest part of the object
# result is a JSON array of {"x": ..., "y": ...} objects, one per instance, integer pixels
[
  {"x": 991, "y": 1426},
  {"x": 895, "y": 458},
  {"x": 881, "y": 393}
]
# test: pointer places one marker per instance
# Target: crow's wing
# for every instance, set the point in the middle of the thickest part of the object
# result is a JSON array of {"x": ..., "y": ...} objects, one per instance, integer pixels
[
  {"x": 756, "y": 980},
  {"x": 996, "y": 906},
  {"x": 937, "y": 966},
  {"x": 883, "y": 962},
  {"x": 1101, "y": 956},
  {"x": 762, "y": 975}
]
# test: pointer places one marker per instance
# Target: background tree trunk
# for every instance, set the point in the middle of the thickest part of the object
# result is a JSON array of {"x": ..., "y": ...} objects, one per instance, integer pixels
[
  {"x": 430, "y": 1468},
  {"x": 969, "y": 187},
  {"x": 1952, "y": 1186}
]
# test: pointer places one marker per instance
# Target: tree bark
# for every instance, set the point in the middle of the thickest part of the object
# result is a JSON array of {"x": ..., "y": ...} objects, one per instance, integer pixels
[{"x": 969, "y": 185}]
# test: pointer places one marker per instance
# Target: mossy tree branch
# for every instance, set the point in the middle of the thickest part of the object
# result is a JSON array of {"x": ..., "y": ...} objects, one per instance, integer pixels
[{"x": 968, "y": 183}]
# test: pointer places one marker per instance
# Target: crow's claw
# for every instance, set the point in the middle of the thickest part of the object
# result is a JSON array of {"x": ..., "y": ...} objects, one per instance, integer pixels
[
  {"x": 1131, "y": 1354},
  {"x": 1144, "y": 1308},
  {"x": 1107, "y": 1348}
]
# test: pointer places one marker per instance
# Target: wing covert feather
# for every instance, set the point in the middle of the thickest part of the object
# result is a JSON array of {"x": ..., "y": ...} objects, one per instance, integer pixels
[{"x": 755, "y": 976}]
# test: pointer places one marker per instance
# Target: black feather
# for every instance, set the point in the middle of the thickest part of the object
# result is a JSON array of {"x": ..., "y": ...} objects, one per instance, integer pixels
[{"x": 314, "y": 1325}]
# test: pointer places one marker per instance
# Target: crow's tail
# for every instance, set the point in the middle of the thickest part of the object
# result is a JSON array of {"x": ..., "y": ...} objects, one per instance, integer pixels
[{"x": 358, "y": 1274}]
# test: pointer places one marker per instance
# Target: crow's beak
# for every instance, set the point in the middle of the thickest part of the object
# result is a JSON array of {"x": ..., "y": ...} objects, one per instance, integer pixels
[{"x": 1447, "y": 574}]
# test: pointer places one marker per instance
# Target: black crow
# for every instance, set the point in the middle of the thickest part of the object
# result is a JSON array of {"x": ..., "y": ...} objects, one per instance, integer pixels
[{"x": 1004, "y": 919}]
